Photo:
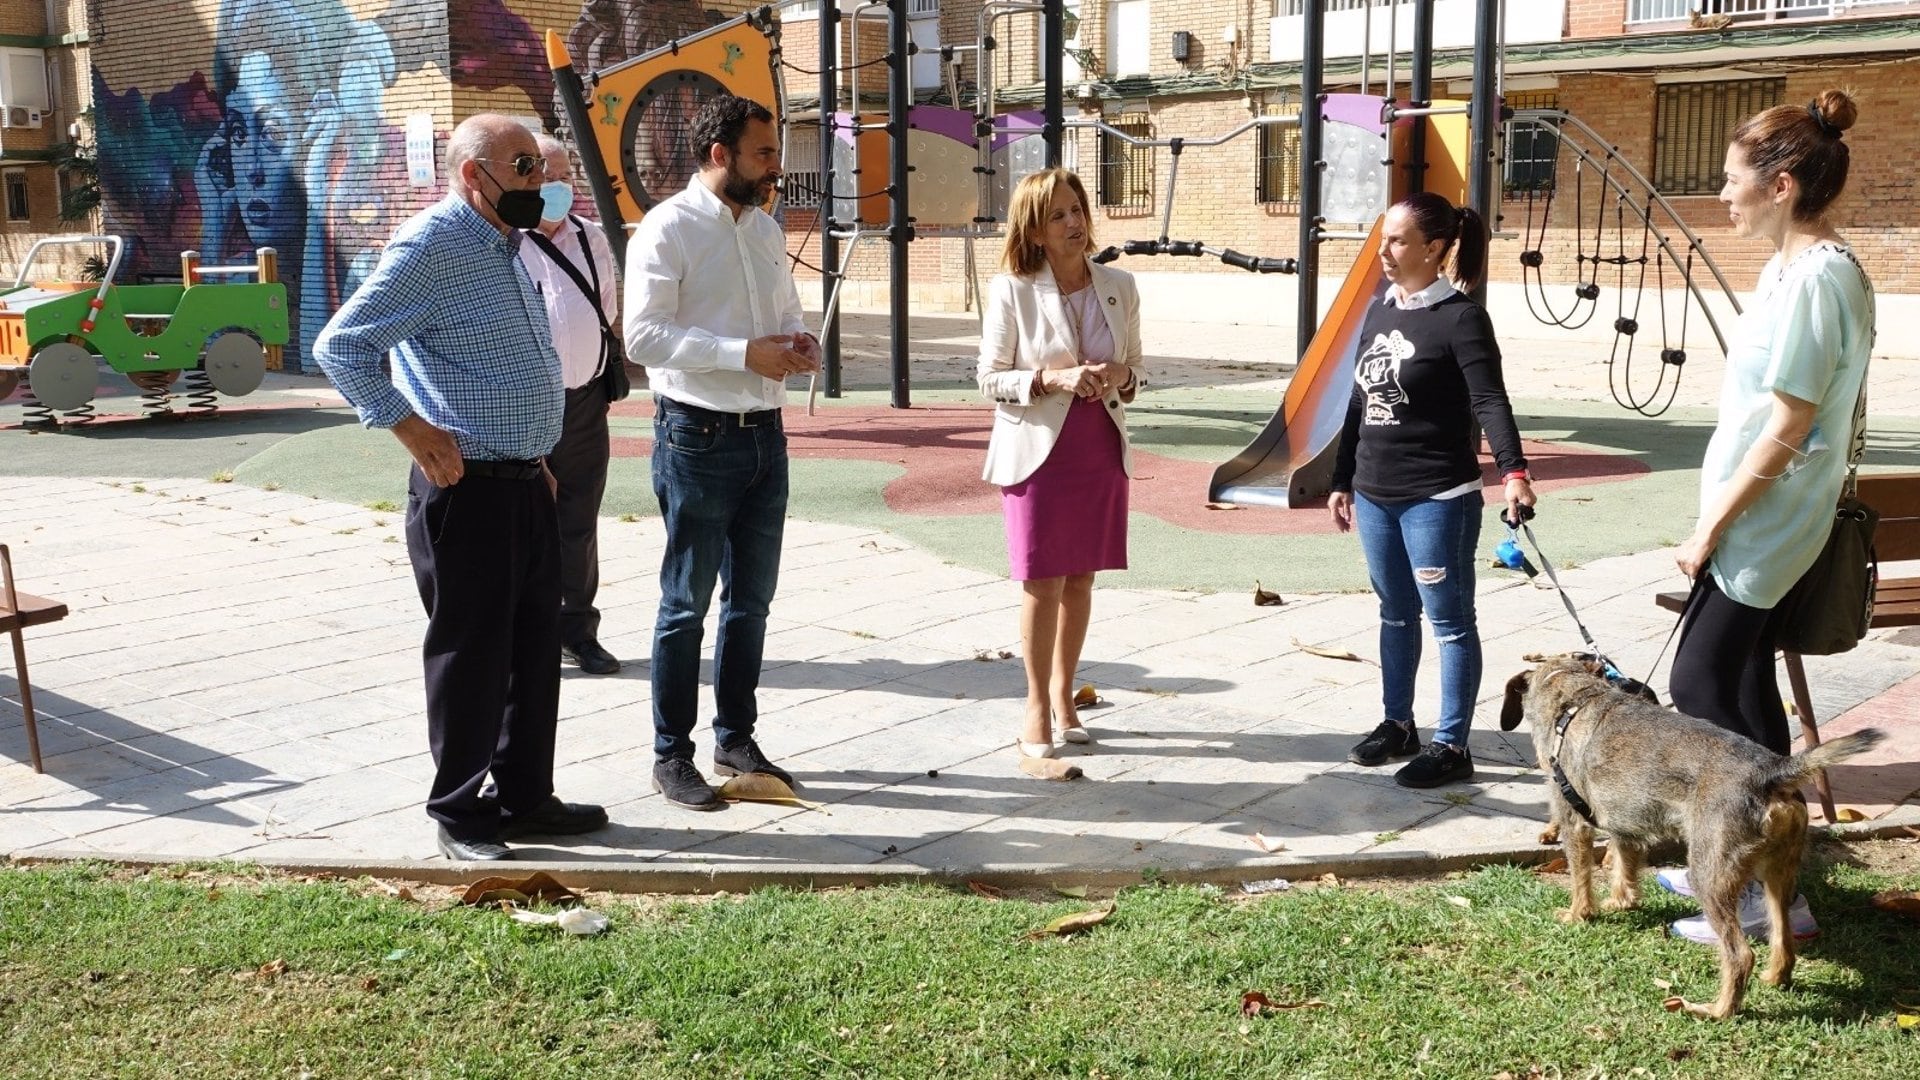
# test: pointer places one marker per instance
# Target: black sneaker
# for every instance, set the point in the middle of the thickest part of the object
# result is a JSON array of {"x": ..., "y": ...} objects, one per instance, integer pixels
[
  {"x": 1390, "y": 740},
  {"x": 745, "y": 757},
  {"x": 681, "y": 783},
  {"x": 1438, "y": 764}
]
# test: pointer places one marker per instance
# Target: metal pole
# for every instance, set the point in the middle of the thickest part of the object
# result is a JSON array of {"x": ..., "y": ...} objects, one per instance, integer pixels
[
  {"x": 900, "y": 226},
  {"x": 1420, "y": 90},
  {"x": 1054, "y": 49},
  {"x": 1366, "y": 45},
  {"x": 1307, "y": 318},
  {"x": 1481, "y": 193},
  {"x": 829, "y": 243}
]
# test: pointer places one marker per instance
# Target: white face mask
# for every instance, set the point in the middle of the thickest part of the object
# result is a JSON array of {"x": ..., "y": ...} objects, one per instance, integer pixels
[{"x": 556, "y": 197}]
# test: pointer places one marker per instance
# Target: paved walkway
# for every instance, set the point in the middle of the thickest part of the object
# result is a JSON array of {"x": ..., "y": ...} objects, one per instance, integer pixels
[{"x": 240, "y": 678}]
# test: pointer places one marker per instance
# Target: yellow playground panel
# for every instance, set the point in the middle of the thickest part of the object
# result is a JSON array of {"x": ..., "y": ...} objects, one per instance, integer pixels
[{"x": 641, "y": 108}]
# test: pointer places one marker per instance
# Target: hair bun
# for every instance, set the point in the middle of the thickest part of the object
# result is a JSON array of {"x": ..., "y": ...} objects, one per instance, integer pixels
[{"x": 1837, "y": 109}]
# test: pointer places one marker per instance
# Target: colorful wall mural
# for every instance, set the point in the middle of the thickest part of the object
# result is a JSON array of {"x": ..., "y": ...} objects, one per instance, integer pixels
[{"x": 230, "y": 125}]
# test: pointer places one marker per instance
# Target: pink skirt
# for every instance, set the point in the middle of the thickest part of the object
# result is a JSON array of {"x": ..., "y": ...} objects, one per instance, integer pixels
[{"x": 1070, "y": 516}]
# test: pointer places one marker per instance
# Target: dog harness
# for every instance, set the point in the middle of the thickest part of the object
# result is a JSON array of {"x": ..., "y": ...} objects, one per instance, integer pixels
[{"x": 1560, "y": 780}]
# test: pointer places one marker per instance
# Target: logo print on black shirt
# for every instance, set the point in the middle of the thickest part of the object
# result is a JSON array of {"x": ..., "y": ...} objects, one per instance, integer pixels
[{"x": 1378, "y": 373}]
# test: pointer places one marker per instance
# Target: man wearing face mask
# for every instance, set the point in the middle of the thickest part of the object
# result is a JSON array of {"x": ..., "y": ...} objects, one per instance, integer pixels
[
  {"x": 571, "y": 264},
  {"x": 475, "y": 395},
  {"x": 713, "y": 313}
]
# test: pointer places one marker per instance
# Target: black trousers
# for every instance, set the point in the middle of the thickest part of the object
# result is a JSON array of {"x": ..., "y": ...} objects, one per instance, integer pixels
[
  {"x": 1723, "y": 669},
  {"x": 579, "y": 463},
  {"x": 486, "y": 557}
]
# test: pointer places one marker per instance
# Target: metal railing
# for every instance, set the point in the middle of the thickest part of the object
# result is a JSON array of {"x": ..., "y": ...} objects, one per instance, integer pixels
[
  {"x": 1744, "y": 11},
  {"x": 1299, "y": 7}
]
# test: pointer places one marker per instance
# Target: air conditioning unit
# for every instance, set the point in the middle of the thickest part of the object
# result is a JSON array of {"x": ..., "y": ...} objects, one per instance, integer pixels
[{"x": 19, "y": 116}]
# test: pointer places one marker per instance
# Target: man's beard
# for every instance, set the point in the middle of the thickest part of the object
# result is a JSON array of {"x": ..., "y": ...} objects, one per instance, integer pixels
[{"x": 743, "y": 191}]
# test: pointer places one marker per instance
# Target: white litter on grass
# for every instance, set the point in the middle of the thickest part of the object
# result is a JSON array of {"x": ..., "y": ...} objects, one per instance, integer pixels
[
  {"x": 1255, "y": 888},
  {"x": 581, "y": 921}
]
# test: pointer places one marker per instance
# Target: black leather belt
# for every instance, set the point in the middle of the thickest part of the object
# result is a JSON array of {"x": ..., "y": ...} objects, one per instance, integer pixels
[
  {"x": 754, "y": 418},
  {"x": 500, "y": 470}
]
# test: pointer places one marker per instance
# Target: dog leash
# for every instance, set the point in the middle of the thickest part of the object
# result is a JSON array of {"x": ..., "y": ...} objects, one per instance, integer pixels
[{"x": 1511, "y": 555}]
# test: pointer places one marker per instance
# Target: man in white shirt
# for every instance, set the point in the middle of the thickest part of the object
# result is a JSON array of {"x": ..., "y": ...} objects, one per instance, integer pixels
[
  {"x": 579, "y": 461},
  {"x": 712, "y": 312}
]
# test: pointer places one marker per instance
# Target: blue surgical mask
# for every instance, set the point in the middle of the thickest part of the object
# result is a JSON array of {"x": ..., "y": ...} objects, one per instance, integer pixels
[{"x": 557, "y": 195}]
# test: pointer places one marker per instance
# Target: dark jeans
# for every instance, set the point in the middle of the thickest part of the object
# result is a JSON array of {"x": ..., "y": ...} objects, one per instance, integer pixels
[
  {"x": 1723, "y": 669},
  {"x": 486, "y": 559},
  {"x": 722, "y": 489},
  {"x": 1420, "y": 557},
  {"x": 579, "y": 463}
]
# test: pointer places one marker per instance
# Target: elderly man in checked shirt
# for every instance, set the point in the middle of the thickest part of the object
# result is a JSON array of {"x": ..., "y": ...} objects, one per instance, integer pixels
[
  {"x": 712, "y": 312},
  {"x": 475, "y": 396}
]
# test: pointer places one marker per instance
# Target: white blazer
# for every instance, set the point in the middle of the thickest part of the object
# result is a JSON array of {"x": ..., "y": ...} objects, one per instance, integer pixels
[{"x": 1025, "y": 329}]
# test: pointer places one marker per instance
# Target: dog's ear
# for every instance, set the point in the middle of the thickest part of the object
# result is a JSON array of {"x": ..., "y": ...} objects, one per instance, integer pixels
[{"x": 1514, "y": 709}]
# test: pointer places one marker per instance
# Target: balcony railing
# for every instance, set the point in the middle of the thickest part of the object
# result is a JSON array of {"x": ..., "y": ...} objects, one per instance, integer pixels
[{"x": 1748, "y": 11}]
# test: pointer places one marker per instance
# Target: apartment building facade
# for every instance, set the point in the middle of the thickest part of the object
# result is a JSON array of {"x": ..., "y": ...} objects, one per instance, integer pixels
[
  {"x": 44, "y": 105},
  {"x": 1664, "y": 81}
]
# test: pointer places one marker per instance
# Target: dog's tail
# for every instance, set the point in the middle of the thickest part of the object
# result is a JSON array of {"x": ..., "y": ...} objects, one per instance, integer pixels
[{"x": 1792, "y": 771}]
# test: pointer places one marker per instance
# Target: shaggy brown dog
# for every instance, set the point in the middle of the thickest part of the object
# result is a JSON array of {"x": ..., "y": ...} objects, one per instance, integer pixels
[{"x": 1649, "y": 775}]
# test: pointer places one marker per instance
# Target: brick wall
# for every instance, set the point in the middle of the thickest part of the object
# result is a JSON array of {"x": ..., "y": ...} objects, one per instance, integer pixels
[
  {"x": 1595, "y": 18},
  {"x": 25, "y": 149}
]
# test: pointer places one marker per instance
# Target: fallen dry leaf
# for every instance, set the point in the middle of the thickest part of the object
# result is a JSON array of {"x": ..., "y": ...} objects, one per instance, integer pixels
[
  {"x": 370, "y": 983},
  {"x": 1261, "y": 841},
  {"x": 1265, "y": 597},
  {"x": 1674, "y": 1004},
  {"x": 1078, "y": 922},
  {"x": 1895, "y": 902},
  {"x": 538, "y": 887},
  {"x": 1086, "y": 695},
  {"x": 1255, "y": 1003},
  {"x": 1663, "y": 984},
  {"x": 272, "y": 969},
  {"x": 1222, "y": 506},
  {"x": 762, "y": 787},
  {"x": 1330, "y": 880},
  {"x": 1551, "y": 866},
  {"x": 1680, "y": 1053},
  {"x": 991, "y": 892},
  {"x": 1459, "y": 901},
  {"x": 1048, "y": 768},
  {"x": 1907, "y": 1021},
  {"x": 1848, "y": 815},
  {"x": 1331, "y": 654},
  {"x": 1071, "y": 892}
]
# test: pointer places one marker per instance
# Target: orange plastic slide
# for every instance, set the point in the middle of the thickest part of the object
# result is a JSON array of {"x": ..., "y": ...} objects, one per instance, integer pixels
[{"x": 1291, "y": 462}]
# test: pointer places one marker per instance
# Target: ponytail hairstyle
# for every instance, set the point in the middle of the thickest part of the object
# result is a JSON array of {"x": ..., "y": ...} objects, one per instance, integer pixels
[
  {"x": 1462, "y": 230},
  {"x": 1803, "y": 143}
]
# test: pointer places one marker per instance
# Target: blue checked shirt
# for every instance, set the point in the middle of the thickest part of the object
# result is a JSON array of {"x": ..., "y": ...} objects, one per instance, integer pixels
[{"x": 472, "y": 352}]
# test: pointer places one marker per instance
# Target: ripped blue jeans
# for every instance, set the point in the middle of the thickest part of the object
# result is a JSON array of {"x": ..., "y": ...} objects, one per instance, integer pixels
[{"x": 1420, "y": 557}]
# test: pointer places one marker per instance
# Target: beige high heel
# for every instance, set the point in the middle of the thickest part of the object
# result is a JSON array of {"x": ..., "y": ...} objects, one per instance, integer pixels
[{"x": 1077, "y": 734}]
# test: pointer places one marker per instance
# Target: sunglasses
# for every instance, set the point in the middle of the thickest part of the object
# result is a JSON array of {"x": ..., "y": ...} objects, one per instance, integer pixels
[{"x": 522, "y": 164}]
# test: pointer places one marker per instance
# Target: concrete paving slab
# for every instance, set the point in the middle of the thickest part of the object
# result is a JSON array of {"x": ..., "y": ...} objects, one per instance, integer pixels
[{"x": 286, "y": 722}]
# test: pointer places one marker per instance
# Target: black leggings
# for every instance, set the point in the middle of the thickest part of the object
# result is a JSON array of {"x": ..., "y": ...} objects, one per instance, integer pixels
[{"x": 1723, "y": 670}]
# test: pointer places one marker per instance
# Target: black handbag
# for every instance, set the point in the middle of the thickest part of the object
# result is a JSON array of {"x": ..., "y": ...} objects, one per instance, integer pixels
[
  {"x": 1830, "y": 608},
  {"x": 613, "y": 353}
]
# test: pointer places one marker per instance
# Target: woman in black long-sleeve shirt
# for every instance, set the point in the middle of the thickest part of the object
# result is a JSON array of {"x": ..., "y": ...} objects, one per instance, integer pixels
[{"x": 1408, "y": 473}]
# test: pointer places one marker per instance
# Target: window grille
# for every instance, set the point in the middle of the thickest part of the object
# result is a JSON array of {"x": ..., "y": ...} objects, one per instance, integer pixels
[
  {"x": 801, "y": 178},
  {"x": 1126, "y": 171},
  {"x": 1692, "y": 123},
  {"x": 1278, "y": 180},
  {"x": 17, "y": 206},
  {"x": 1532, "y": 152}
]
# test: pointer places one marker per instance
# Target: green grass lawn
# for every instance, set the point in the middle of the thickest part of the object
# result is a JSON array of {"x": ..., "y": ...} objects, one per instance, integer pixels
[{"x": 111, "y": 972}]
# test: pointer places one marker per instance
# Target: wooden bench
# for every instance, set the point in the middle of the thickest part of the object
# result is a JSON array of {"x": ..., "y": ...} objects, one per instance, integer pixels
[
  {"x": 18, "y": 611},
  {"x": 1896, "y": 601}
]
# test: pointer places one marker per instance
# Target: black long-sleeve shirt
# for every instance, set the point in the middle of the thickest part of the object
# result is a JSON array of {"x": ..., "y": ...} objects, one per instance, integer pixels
[{"x": 1423, "y": 376}]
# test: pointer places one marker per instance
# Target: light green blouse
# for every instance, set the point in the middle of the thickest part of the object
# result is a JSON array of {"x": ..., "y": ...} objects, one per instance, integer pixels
[{"x": 1806, "y": 334}]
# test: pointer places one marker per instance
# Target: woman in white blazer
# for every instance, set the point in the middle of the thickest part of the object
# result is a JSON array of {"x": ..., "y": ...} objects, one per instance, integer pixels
[{"x": 1060, "y": 358}]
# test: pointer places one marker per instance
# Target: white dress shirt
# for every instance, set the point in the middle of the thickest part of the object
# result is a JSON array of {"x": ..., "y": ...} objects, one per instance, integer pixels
[
  {"x": 700, "y": 285},
  {"x": 1437, "y": 290},
  {"x": 576, "y": 326}
]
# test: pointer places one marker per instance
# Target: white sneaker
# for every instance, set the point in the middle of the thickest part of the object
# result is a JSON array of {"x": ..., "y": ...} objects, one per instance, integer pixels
[
  {"x": 1753, "y": 918},
  {"x": 1674, "y": 880}
]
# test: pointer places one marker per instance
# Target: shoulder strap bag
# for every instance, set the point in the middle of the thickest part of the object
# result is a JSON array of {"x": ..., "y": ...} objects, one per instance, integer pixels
[
  {"x": 1830, "y": 608},
  {"x": 613, "y": 353}
]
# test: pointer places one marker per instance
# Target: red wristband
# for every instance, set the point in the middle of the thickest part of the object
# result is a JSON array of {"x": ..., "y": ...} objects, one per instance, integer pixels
[{"x": 1518, "y": 474}]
